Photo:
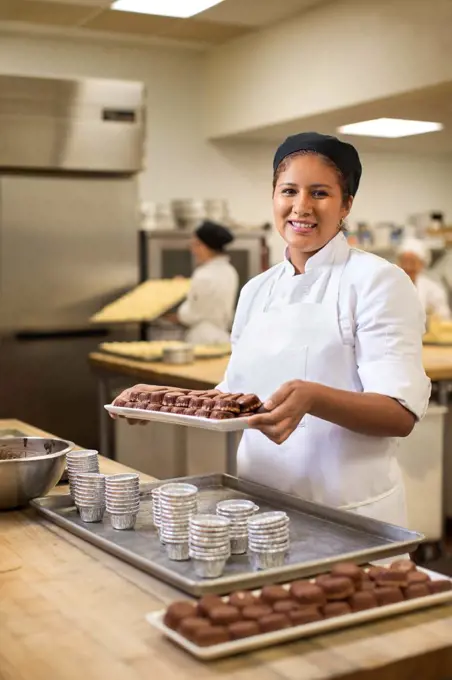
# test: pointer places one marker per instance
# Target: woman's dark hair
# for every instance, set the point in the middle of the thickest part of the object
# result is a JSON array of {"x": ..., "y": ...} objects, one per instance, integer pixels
[{"x": 340, "y": 177}]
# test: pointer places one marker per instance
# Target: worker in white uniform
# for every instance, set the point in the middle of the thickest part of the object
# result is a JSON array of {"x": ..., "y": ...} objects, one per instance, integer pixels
[
  {"x": 413, "y": 258},
  {"x": 209, "y": 308},
  {"x": 331, "y": 340}
]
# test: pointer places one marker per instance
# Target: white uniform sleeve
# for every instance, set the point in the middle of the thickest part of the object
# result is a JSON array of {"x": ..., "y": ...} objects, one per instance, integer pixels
[
  {"x": 390, "y": 324},
  {"x": 437, "y": 301},
  {"x": 196, "y": 306}
]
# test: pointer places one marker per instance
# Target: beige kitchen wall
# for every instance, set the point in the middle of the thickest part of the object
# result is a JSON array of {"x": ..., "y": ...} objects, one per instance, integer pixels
[
  {"x": 181, "y": 163},
  {"x": 336, "y": 55}
]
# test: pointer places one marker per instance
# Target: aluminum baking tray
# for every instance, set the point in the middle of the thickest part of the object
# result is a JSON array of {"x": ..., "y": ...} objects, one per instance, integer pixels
[
  {"x": 230, "y": 425},
  {"x": 265, "y": 640},
  {"x": 320, "y": 536}
]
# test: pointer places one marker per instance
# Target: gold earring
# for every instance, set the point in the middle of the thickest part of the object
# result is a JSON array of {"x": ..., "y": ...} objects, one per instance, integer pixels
[{"x": 341, "y": 223}]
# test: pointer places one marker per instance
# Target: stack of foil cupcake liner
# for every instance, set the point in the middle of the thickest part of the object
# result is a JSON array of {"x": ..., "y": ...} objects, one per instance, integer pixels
[
  {"x": 178, "y": 503},
  {"x": 209, "y": 544},
  {"x": 237, "y": 511}
]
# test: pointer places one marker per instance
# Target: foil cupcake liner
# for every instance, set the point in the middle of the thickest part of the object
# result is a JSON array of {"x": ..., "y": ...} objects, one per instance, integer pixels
[
  {"x": 177, "y": 551},
  {"x": 91, "y": 513},
  {"x": 123, "y": 522}
]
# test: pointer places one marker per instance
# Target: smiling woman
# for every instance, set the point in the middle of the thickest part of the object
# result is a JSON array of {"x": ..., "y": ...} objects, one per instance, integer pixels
[{"x": 331, "y": 341}]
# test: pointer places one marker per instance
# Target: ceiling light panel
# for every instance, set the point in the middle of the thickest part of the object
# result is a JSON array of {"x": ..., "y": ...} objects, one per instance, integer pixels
[
  {"x": 167, "y": 8},
  {"x": 392, "y": 128}
]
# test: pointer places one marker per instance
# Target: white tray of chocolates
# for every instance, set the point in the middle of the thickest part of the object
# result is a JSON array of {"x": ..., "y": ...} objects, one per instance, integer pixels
[
  {"x": 215, "y": 627},
  {"x": 208, "y": 409}
]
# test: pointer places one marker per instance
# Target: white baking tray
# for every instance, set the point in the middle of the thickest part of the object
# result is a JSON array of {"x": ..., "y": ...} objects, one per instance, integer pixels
[
  {"x": 299, "y": 632},
  {"x": 231, "y": 425}
]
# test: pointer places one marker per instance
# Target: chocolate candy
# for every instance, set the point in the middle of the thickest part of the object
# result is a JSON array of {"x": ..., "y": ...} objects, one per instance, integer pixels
[
  {"x": 332, "y": 609},
  {"x": 183, "y": 400},
  {"x": 211, "y": 635},
  {"x": 306, "y": 614},
  {"x": 388, "y": 595},
  {"x": 226, "y": 405},
  {"x": 242, "y": 629},
  {"x": 153, "y": 407},
  {"x": 337, "y": 588},
  {"x": 256, "y": 611},
  {"x": 439, "y": 586},
  {"x": 284, "y": 606},
  {"x": 307, "y": 593},
  {"x": 178, "y": 611},
  {"x": 242, "y": 598},
  {"x": 273, "y": 622},
  {"x": 178, "y": 409},
  {"x": 271, "y": 594},
  {"x": 157, "y": 397},
  {"x": 249, "y": 402},
  {"x": 189, "y": 626},
  {"x": 405, "y": 566},
  {"x": 417, "y": 577},
  {"x": 170, "y": 398},
  {"x": 221, "y": 415},
  {"x": 362, "y": 600},
  {"x": 224, "y": 614},
  {"x": 349, "y": 570},
  {"x": 202, "y": 413},
  {"x": 120, "y": 402},
  {"x": 165, "y": 409},
  {"x": 416, "y": 590},
  {"x": 206, "y": 603}
]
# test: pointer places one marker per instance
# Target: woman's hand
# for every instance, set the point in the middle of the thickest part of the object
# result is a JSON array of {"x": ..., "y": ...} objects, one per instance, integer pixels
[{"x": 285, "y": 409}]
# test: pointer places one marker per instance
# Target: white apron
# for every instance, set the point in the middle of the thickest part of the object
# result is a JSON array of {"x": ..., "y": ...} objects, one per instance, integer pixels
[{"x": 320, "y": 461}]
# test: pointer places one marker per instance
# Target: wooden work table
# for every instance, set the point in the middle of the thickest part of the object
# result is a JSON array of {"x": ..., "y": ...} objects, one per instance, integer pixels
[{"x": 70, "y": 611}]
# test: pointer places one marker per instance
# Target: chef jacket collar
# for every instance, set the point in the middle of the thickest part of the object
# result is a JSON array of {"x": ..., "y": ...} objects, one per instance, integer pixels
[{"x": 335, "y": 250}]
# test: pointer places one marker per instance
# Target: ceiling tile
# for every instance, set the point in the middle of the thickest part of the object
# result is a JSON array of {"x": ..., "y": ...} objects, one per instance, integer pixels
[{"x": 255, "y": 12}]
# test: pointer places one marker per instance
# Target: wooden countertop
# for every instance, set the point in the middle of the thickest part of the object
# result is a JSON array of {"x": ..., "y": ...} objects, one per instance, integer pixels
[
  {"x": 70, "y": 611},
  {"x": 209, "y": 372}
]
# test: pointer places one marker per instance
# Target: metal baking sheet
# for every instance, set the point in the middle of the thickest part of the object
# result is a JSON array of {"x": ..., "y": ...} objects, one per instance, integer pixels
[
  {"x": 230, "y": 425},
  {"x": 265, "y": 640},
  {"x": 320, "y": 536}
]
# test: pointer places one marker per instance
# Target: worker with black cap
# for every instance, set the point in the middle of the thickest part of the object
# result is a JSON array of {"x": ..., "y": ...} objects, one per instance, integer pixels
[
  {"x": 209, "y": 308},
  {"x": 331, "y": 341}
]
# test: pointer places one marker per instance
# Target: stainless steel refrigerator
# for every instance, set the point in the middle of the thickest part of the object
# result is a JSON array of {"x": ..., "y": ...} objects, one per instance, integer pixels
[{"x": 70, "y": 152}]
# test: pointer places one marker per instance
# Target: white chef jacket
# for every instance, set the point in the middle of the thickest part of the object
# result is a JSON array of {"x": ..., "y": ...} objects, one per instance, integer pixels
[
  {"x": 209, "y": 308},
  {"x": 379, "y": 314},
  {"x": 433, "y": 297}
]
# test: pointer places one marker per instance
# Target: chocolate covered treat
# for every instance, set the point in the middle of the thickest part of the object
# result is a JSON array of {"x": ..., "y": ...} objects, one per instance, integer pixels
[
  {"x": 243, "y": 629},
  {"x": 221, "y": 415},
  {"x": 120, "y": 402},
  {"x": 224, "y": 614},
  {"x": 226, "y": 405},
  {"x": 170, "y": 398},
  {"x": 332, "y": 609},
  {"x": 388, "y": 595},
  {"x": 391, "y": 577},
  {"x": 211, "y": 635},
  {"x": 337, "y": 588},
  {"x": 249, "y": 402},
  {"x": 417, "y": 577},
  {"x": 362, "y": 600},
  {"x": 183, "y": 400},
  {"x": 375, "y": 571},
  {"x": 271, "y": 594},
  {"x": 189, "y": 626},
  {"x": 284, "y": 606},
  {"x": 256, "y": 611},
  {"x": 153, "y": 407},
  {"x": 349, "y": 570},
  {"x": 307, "y": 593},
  {"x": 178, "y": 611},
  {"x": 157, "y": 397},
  {"x": 305, "y": 614},
  {"x": 202, "y": 413},
  {"x": 405, "y": 566},
  {"x": 178, "y": 409},
  {"x": 272, "y": 622},
  {"x": 439, "y": 586},
  {"x": 416, "y": 590},
  {"x": 242, "y": 598},
  {"x": 196, "y": 402},
  {"x": 165, "y": 409},
  {"x": 206, "y": 603}
]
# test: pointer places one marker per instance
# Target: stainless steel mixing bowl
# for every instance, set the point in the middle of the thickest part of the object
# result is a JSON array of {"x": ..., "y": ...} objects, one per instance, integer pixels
[{"x": 29, "y": 468}]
